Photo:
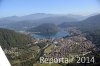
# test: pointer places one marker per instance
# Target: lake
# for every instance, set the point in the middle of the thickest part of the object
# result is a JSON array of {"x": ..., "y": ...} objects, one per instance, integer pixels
[{"x": 59, "y": 34}]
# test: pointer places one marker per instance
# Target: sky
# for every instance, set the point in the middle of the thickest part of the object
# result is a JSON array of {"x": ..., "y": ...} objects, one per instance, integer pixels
[{"x": 26, "y": 7}]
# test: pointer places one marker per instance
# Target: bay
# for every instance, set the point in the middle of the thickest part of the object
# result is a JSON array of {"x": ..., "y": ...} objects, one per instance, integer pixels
[{"x": 59, "y": 34}]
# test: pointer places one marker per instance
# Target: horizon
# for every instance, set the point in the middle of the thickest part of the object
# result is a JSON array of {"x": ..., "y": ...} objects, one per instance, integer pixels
[
  {"x": 51, "y": 14},
  {"x": 27, "y": 7}
]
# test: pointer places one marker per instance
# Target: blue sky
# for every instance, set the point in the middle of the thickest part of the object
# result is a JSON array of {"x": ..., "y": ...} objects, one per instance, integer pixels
[{"x": 25, "y": 7}]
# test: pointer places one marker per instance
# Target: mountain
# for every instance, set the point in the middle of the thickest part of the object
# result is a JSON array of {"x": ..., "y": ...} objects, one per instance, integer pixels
[
  {"x": 23, "y": 22},
  {"x": 90, "y": 26},
  {"x": 37, "y": 16},
  {"x": 78, "y": 17},
  {"x": 56, "y": 19},
  {"x": 90, "y": 22},
  {"x": 7, "y": 20},
  {"x": 26, "y": 17},
  {"x": 9, "y": 38},
  {"x": 67, "y": 24},
  {"x": 21, "y": 25},
  {"x": 26, "y": 24},
  {"x": 18, "y": 48},
  {"x": 45, "y": 28},
  {"x": 14, "y": 19}
]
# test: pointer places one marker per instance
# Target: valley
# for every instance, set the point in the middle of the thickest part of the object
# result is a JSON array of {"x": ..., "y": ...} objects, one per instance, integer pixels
[
  {"x": 71, "y": 46},
  {"x": 49, "y": 33},
  {"x": 68, "y": 40}
]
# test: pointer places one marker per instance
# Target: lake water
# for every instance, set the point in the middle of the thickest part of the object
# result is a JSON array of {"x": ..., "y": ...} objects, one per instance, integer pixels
[{"x": 59, "y": 34}]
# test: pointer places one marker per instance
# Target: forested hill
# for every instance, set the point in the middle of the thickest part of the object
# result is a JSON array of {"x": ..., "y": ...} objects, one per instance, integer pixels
[
  {"x": 9, "y": 38},
  {"x": 45, "y": 28}
]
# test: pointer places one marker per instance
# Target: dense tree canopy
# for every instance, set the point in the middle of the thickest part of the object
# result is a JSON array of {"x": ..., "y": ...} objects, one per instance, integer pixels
[{"x": 9, "y": 38}]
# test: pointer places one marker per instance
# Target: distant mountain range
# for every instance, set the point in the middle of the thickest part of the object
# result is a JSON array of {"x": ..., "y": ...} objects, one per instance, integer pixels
[
  {"x": 89, "y": 23},
  {"x": 39, "y": 16},
  {"x": 29, "y": 21}
]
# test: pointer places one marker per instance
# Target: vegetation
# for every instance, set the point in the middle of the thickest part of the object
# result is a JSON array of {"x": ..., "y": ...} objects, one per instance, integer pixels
[
  {"x": 90, "y": 26},
  {"x": 9, "y": 38},
  {"x": 21, "y": 52},
  {"x": 45, "y": 28}
]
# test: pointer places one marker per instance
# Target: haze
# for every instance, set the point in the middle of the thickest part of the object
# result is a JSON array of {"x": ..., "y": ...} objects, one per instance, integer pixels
[{"x": 26, "y": 7}]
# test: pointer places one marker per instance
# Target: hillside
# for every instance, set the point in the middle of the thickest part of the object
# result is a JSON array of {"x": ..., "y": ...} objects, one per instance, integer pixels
[
  {"x": 45, "y": 28},
  {"x": 33, "y": 20},
  {"x": 18, "y": 48},
  {"x": 9, "y": 38},
  {"x": 21, "y": 25},
  {"x": 41, "y": 16},
  {"x": 90, "y": 26}
]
